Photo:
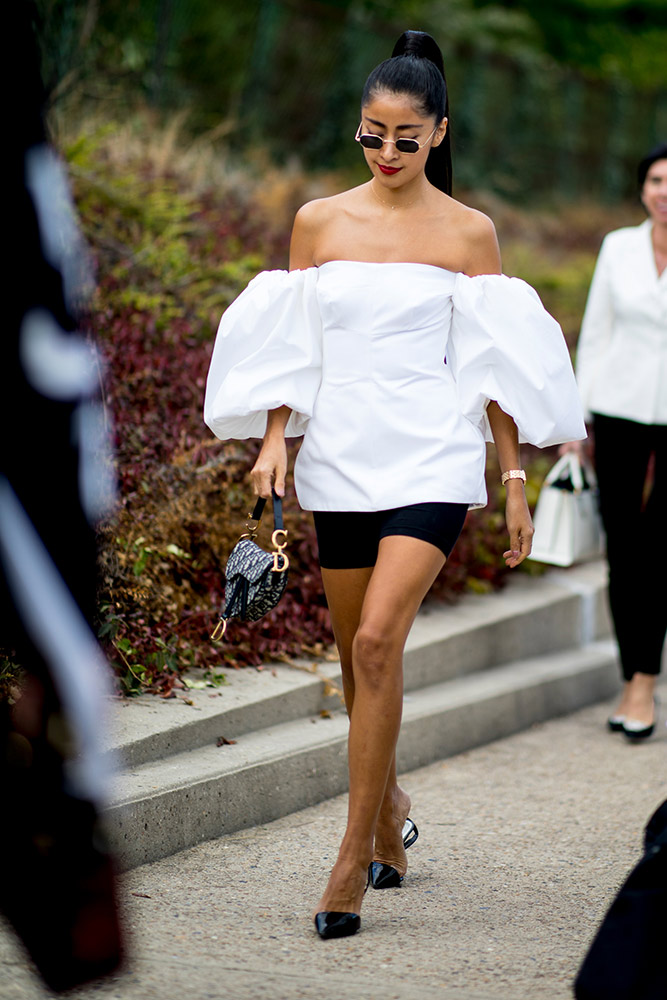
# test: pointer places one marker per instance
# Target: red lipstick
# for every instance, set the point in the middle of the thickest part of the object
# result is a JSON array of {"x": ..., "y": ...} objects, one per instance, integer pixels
[{"x": 388, "y": 170}]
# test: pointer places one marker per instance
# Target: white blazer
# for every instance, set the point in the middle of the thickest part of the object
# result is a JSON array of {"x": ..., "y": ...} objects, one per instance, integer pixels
[{"x": 621, "y": 361}]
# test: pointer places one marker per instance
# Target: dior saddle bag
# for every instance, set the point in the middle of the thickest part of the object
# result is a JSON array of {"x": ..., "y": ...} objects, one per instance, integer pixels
[{"x": 255, "y": 579}]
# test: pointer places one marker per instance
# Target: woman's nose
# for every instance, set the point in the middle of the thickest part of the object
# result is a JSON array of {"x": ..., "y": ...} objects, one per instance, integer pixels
[{"x": 389, "y": 151}]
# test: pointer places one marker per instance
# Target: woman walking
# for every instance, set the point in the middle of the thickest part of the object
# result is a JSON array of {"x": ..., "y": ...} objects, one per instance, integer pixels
[
  {"x": 622, "y": 376},
  {"x": 396, "y": 346}
]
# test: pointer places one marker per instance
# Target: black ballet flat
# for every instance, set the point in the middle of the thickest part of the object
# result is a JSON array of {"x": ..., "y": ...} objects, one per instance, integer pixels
[
  {"x": 635, "y": 731},
  {"x": 331, "y": 924},
  {"x": 382, "y": 876}
]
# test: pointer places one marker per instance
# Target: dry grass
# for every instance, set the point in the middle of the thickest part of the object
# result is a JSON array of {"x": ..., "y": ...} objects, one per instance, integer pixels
[{"x": 166, "y": 148}]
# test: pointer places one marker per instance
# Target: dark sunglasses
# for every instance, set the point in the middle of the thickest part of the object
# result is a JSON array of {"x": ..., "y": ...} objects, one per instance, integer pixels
[{"x": 370, "y": 141}]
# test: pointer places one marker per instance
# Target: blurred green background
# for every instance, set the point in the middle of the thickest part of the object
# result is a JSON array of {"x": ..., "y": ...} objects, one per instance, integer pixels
[
  {"x": 192, "y": 131},
  {"x": 547, "y": 98}
]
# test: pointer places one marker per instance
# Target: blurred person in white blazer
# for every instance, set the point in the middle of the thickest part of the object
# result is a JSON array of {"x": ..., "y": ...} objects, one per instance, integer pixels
[{"x": 621, "y": 369}]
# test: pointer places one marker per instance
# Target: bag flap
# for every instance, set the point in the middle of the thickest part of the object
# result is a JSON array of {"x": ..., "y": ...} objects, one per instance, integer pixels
[{"x": 247, "y": 559}]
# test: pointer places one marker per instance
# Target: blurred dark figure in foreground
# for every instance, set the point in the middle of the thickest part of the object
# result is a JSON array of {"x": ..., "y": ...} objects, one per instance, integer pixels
[
  {"x": 626, "y": 960},
  {"x": 57, "y": 885}
]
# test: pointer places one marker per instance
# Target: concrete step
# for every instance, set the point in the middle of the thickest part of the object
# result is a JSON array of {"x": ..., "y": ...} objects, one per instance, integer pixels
[
  {"x": 529, "y": 617},
  {"x": 197, "y": 794}
]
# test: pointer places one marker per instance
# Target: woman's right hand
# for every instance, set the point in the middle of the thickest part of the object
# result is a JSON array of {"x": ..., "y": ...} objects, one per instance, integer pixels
[
  {"x": 568, "y": 446},
  {"x": 585, "y": 450},
  {"x": 270, "y": 468}
]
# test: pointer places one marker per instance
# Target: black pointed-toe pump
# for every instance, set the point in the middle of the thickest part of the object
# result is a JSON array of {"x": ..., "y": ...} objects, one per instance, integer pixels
[
  {"x": 384, "y": 876},
  {"x": 332, "y": 924},
  {"x": 336, "y": 924}
]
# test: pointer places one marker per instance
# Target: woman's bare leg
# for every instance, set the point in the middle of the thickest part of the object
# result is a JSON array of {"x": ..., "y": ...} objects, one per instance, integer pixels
[
  {"x": 393, "y": 813},
  {"x": 637, "y": 702},
  {"x": 345, "y": 590},
  {"x": 405, "y": 569}
]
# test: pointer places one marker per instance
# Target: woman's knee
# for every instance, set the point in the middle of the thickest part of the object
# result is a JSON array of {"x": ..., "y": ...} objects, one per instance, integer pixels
[{"x": 377, "y": 653}]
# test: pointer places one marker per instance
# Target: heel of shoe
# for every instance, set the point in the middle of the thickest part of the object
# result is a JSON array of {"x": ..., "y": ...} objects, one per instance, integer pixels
[{"x": 410, "y": 833}]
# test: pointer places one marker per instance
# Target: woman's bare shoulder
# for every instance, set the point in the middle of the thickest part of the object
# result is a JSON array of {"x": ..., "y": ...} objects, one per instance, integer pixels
[
  {"x": 321, "y": 210},
  {"x": 309, "y": 222},
  {"x": 470, "y": 222},
  {"x": 475, "y": 235},
  {"x": 314, "y": 223}
]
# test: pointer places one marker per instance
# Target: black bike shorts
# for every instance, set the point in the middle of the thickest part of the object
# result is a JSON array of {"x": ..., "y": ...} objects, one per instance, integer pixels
[{"x": 350, "y": 539}]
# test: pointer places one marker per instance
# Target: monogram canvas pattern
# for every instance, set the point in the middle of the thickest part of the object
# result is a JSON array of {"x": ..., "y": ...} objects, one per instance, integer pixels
[{"x": 252, "y": 587}]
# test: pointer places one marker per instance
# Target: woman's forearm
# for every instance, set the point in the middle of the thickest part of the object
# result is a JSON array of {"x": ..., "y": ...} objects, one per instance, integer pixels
[
  {"x": 505, "y": 436},
  {"x": 517, "y": 514},
  {"x": 270, "y": 468},
  {"x": 277, "y": 422}
]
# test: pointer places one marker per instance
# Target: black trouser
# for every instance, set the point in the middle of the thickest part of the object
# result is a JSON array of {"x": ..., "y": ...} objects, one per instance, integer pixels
[{"x": 636, "y": 536}]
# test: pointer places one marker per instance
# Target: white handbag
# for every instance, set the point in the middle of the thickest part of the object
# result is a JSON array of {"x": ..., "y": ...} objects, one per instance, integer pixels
[{"x": 567, "y": 521}]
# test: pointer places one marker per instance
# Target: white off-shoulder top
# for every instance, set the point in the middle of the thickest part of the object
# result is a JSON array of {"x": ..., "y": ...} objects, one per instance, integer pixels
[{"x": 389, "y": 368}]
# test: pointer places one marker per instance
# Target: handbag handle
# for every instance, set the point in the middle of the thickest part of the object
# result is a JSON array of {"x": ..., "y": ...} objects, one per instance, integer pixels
[
  {"x": 572, "y": 463},
  {"x": 259, "y": 511},
  {"x": 567, "y": 463},
  {"x": 279, "y": 536}
]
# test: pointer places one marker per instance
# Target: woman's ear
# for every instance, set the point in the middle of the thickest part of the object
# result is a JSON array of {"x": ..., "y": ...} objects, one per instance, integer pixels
[{"x": 440, "y": 133}]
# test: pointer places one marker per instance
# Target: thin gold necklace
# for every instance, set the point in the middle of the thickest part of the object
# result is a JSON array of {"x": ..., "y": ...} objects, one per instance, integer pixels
[{"x": 388, "y": 204}]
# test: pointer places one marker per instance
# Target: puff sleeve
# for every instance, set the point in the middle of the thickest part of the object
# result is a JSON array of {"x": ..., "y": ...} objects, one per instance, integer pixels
[
  {"x": 267, "y": 353},
  {"x": 505, "y": 346}
]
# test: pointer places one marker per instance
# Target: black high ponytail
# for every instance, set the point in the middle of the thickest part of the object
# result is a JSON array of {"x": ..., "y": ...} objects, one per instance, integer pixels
[{"x": 416, "y": 68}]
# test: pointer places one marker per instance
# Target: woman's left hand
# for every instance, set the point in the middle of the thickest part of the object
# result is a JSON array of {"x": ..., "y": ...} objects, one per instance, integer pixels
[{"x": 519, "y": 524}]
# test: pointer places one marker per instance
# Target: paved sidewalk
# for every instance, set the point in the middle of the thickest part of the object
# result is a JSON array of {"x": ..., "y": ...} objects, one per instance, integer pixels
[{"x": 522, "y": 845}]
